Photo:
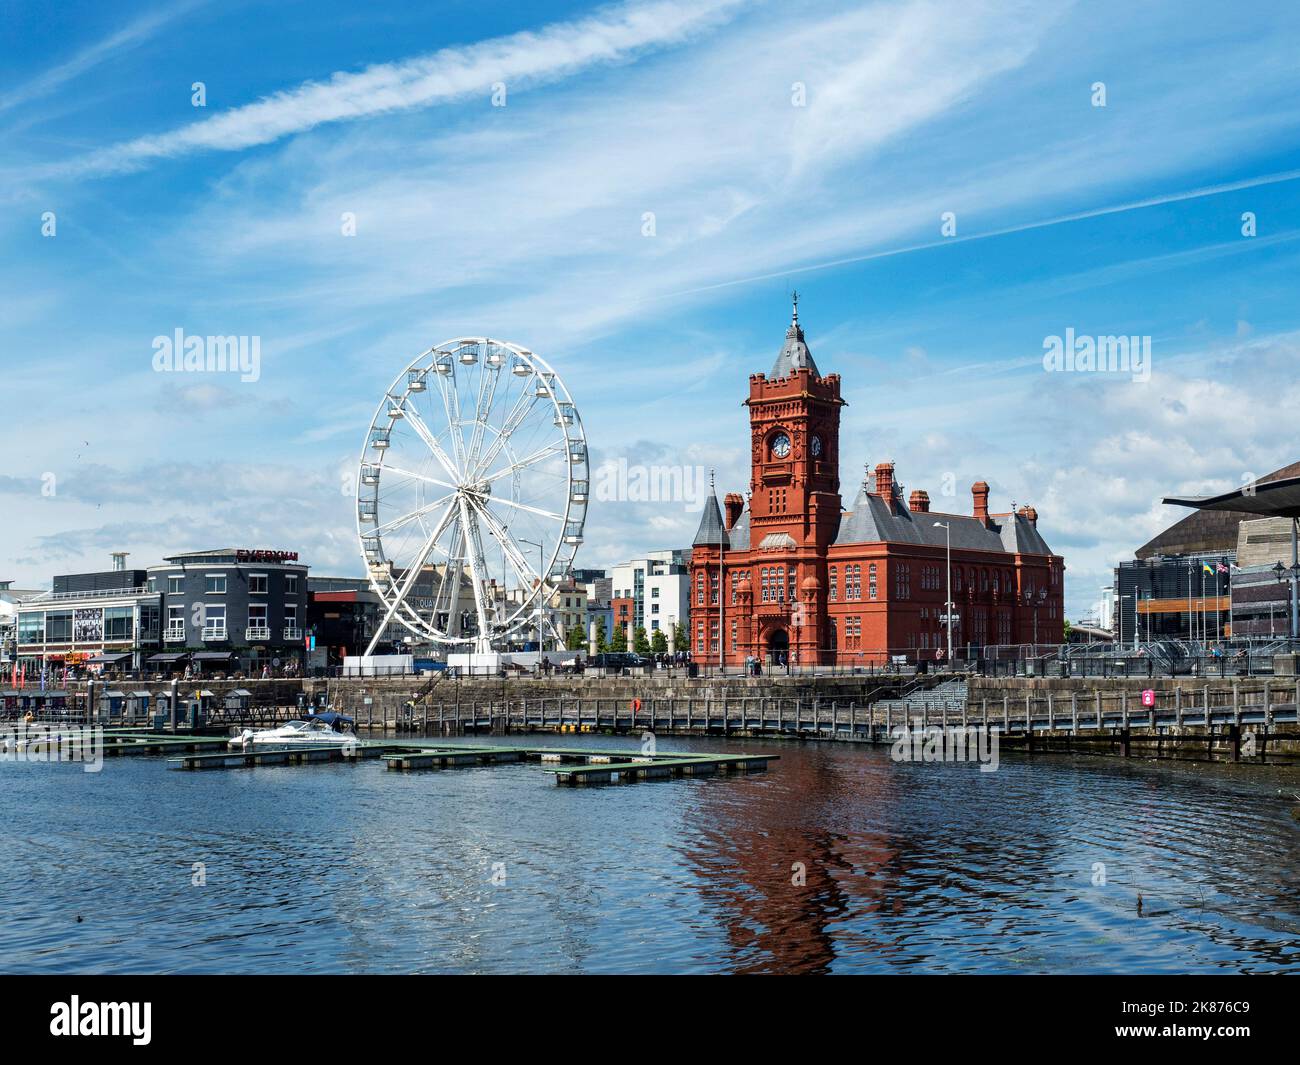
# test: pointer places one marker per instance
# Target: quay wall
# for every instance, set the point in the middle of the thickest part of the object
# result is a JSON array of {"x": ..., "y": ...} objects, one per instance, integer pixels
[{"x": 388, "y": 699}]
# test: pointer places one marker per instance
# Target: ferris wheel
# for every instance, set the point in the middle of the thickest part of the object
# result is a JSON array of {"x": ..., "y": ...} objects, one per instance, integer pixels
[{"x": 472, "y": 493}]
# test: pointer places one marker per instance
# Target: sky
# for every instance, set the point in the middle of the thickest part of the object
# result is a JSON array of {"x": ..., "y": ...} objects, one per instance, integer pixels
[{"x": 633, "y": 191}]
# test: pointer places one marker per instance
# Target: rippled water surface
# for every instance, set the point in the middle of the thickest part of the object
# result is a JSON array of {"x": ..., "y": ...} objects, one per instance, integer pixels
[{"x": 909, "y": 868}]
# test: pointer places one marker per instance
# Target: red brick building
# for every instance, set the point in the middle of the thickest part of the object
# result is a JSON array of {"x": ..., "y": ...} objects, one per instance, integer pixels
[{"x": 790, "y": 572}]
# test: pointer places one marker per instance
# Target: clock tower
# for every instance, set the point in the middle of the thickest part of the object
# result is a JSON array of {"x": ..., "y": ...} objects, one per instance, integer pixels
[{"x": 794, "y": 422}]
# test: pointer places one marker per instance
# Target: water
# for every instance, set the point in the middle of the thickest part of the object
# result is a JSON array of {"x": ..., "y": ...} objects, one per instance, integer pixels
[{"x": 909, "y": 868}]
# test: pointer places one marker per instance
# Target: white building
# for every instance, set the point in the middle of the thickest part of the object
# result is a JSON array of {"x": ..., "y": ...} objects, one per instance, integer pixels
[{"x": 652, "y": 593}]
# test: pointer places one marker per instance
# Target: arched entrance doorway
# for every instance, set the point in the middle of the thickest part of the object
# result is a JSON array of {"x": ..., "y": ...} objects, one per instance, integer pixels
[{"x": 778, "y": 647}]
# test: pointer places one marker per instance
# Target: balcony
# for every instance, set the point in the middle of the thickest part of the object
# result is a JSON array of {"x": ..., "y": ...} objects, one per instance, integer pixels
[
  {"x": 174, "y": 635},
  {"x": 214, "y": 634},
  {"x": 257, "y": 633},
  {"x": 292, "y": 633}
]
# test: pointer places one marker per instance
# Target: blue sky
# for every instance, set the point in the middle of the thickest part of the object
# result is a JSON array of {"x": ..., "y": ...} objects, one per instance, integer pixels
[{"x": 525, "y": 222}]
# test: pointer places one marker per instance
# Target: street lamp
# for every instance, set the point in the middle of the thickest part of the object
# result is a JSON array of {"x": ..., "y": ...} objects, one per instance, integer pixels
[
  {"x": 1289, "y": 573},
  {"x": 947, "y": 609}
]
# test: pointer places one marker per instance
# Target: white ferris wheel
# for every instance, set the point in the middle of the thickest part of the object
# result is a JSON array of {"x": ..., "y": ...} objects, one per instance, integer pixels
[{"x": 472, "y": 493}]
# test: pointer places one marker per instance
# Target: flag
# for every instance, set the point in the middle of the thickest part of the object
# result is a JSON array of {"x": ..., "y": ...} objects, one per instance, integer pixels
[
  {"x": 1206, "y": 567},
  {"x": 1221, "y": 568}
]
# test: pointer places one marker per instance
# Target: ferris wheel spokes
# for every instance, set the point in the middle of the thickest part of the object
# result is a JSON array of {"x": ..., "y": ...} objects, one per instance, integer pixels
[{"x": 485, "y": 437}]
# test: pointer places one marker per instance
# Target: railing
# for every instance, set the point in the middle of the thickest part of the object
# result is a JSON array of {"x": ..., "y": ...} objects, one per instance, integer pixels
[
  {"x": 257, "y": 632},
  {"x": 214, "y": 634},
  {"x": 94, "y": 593},
  {"x": 292, "y": 633},
  {"x": 174, "y": 636}
]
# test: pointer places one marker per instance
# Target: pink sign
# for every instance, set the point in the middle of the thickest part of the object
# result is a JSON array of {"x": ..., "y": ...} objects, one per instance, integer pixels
[{"x": 1149, "y": 697}]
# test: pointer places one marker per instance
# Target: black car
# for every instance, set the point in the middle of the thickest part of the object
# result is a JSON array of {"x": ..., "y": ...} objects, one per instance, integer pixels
[{"x": 618, "y": 660}]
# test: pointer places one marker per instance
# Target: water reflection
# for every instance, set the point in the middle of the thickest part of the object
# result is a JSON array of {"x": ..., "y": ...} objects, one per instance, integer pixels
[{"x": 836, "y": 860}]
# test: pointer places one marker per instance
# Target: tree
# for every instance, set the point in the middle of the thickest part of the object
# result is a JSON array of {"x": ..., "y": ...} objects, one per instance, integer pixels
[
  {"x": 602, "y": 644},
  {"x": 1065, "y": 636},
  {"x": 680, "y": 642},
  {"x": 619, "y": 643},
  {"x": 575, "y": 639},
  {"x": 640, "y": 641},
  {"x": 658, "y": 642}
]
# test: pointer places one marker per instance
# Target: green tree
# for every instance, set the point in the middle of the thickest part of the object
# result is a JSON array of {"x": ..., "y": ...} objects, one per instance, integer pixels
[
  {"x": 680, "y": 643},
  {"x": 1066, "y": 635},
  {"x": 658, "y": 642},
  {"x": 640, "y": 641},
  {"x": 619, "y": 642},
  {"x": 602, "y": 644},
  {"x": 575, "y": 639}
]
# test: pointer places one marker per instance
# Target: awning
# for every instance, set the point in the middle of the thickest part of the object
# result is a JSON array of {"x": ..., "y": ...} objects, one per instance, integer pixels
[
  {"x": 242, "y": 693},
  {"x": 204, "y": 694},
  {"x": 214, "y": 656},
  {"x": 167, "y": 657},
  {"x": 141, "y": 695},
  {"x": 114, "y": 695},
  {"x": 107, "y": 659}
]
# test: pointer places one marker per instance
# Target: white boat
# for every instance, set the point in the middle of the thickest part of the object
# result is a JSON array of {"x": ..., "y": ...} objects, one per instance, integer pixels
[{"x": 309, "y": 733}]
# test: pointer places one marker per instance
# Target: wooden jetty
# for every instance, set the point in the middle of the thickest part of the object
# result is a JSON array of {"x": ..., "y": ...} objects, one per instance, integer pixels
[
  {"x": 584, "y": 766},
  {"x": 304, "y": 755}
]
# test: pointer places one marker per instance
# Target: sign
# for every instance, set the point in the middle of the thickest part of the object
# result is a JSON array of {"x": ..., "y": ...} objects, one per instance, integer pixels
[
  {"x": 266, "y": 556},
  {"x": 1148, "y": 697}
]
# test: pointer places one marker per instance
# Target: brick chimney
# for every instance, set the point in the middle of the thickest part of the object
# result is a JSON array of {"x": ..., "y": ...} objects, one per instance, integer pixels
[
  {"x": 885, "y": 484},
  {"x": 980, "y": 491},
  {"x": 919, "y": 502},
  {"x": 734, "y": 503},
  {"x": 1032, "y": 515}
]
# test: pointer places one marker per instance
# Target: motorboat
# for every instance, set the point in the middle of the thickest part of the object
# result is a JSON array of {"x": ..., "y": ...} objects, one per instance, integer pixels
[{"x": 313, "y": 733}]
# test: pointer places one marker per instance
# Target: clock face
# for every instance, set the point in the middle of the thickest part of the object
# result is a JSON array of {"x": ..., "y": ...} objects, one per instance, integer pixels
[
  {"x": 781, "y": 446},
  {"x": 816, "y": 446}
]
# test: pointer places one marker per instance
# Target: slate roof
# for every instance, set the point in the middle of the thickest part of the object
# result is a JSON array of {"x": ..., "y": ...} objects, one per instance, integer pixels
[
  {"x": 870, "y": 521},
  {"x": 794, "y": 353},
  {"x": 711, "y": 532}
]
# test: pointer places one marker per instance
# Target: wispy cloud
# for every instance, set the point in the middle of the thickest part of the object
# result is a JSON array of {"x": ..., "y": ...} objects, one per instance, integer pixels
[
  {"x": 87, "y": 59},
  {"x": 518, "y": 61}
]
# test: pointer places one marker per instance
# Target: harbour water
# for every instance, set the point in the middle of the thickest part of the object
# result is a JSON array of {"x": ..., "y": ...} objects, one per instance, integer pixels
[{"x": 835, "y": 860}]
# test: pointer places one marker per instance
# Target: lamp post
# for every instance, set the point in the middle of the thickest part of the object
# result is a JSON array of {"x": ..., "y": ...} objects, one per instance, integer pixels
[
  {"x": 541, "y": 564},
  {"x": 947, "y": 607}
]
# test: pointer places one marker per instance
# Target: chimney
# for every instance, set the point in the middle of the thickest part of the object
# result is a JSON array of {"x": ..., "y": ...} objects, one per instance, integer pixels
[
  {"x": 735, "y": 505},
  {"x": 1032, "y": 515},
  {"x": 885, "y": 484},
  {"x": 980, "y": 492},
  {"x": 919, "y": 502},
  {"x": 119, "y": 561}
]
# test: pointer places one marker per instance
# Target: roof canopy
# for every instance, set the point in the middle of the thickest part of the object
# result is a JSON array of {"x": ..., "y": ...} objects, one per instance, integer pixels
[{"x": 1268, "y": 499}]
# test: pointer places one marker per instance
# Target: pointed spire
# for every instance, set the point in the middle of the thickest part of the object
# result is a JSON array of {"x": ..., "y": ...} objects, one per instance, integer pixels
[
  {"x": 794, "y": 353},
  {"x": 711, "y": 533}
]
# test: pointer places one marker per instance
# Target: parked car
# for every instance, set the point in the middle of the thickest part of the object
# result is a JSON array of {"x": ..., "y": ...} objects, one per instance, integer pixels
[{"x": 619, "y": 660}]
